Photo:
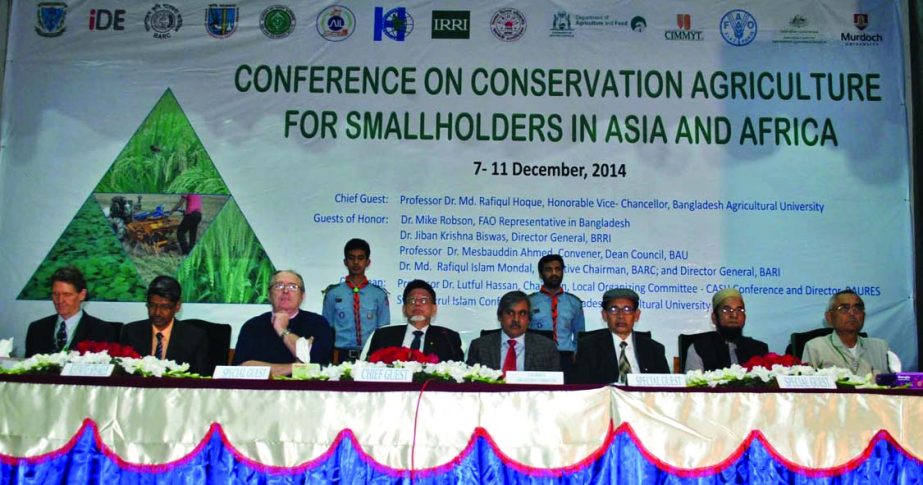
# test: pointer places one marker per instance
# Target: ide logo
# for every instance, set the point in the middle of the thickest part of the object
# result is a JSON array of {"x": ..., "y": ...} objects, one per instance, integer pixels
[{"x": 102, "y": 19}]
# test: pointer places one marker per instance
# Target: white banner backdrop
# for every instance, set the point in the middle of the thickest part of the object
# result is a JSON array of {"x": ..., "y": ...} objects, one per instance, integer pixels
[{"x": 673, "y": 148}]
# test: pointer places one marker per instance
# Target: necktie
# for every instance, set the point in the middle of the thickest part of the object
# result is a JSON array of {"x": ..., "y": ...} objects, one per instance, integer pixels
[
  {"x": 417, "y": 340},
  {"x": 60, "y": 338},
  {"x": 509, "y": 363},
  {"x": 624, "y": 366},
  {"x": 158, "y": 352},
  {"x": 357, "y": 315},
  {"x": 554, "y": 310}
]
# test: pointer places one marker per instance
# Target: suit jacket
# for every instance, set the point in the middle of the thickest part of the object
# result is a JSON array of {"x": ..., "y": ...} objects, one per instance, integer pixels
[
  {"x": 40, "y": 338},
  {"x": 541, "y": 352},
  {"x": 443, "y": 342},
  {"x": 187, "y": 343},
  {"x": 714, "y": 352},
  {"x": 598, "y": 363}
]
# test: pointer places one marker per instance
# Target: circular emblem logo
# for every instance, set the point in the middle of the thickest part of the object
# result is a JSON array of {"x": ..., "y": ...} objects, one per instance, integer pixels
[
  {"x": 336, "y": 23},
  {"x": 163, "y": 19},
  {"x": 508, "y": 24},
  {"x": 638, "y": 24},
  {"x": 738, "y": 27},
  {"x": 277, "y": 22}
]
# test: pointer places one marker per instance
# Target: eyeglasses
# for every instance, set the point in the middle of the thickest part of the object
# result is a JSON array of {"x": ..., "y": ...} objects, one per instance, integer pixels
[
  {"x": 845, "y": 308},
  {"x": 419, "y": 301},
  {"x": 730, "y": 311},
  {"x": 160, "y": 306},
  {"x": 624, "y": 310},
  {"x": 285, "y": 286}
]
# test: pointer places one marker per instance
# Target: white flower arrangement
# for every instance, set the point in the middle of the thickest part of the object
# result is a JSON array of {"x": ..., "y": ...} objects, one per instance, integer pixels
[
  {"x": 148, "y": 366},
  {"x": 760, "y": 376},
  {"x": 448, "y": 371}
]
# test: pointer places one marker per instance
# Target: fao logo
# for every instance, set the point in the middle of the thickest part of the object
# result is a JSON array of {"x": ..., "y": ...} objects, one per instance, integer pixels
[
  {"x": 738, "y": 27},
  {"x": 336, "y": 23},
  {"x": 508, "y": 24},
  {"x": 164, "y": 19}
]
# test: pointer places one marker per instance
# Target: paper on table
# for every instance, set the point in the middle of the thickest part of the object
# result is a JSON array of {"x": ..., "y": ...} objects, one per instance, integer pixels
[{"x": 303, "y": 349}]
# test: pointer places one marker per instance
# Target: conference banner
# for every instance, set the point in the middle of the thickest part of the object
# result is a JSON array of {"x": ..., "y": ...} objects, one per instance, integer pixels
[{"x": 676, "y": 149}]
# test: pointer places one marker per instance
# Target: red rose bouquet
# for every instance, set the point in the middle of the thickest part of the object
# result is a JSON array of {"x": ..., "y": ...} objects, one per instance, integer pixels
[{"x": 390, "y": 355}]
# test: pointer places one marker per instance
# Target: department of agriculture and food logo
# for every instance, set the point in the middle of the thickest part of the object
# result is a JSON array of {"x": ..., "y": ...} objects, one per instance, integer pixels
[
  {"x": 221, "y": 20},
  {"x": 560, "y": 25},
  {"x": 277, "y": 22},
  {"x": 508, "y": 24},
  {"x": 738, "y": 27},
  {"x": 164, "y": 19},
  {"x": 638, "y": 24},
  {"x": 50, "y": 19},
  {"x": 395, "y": 24},
  {"x": 336, "y": 23}
]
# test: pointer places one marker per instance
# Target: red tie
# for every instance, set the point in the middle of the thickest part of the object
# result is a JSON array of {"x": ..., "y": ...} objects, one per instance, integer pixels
[
  {"x": 509, "y": 363},
  {"x": 357, "y": 315},
  {"x": 554, "y": 310}
]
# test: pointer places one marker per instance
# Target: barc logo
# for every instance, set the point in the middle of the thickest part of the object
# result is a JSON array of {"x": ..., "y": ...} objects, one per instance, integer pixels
[
  {"x": 102, "y": 19},
  {"x": 50, "y": 19},
  {"x": 221, "y": 20},
  {"x": 738, "y": 27},
  {"x": 451, "y": 24},
  {"x": 163, "y": 19},
  {"x": 336, "y": 23},
  {"x": 396, "y": 24}
]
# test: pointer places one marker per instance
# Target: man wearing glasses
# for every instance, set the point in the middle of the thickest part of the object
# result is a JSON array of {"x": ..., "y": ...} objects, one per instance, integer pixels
[
  {"x": 419, "y": 307},
  {"x": 845, "y": 347},
  {"x": 512, "y": 348},
  {"x": 726, "y": 345},
  {"x": 272, "y": 339},
  {"x": 607, "y": 357},
  {"x": 162, "y": 334}
]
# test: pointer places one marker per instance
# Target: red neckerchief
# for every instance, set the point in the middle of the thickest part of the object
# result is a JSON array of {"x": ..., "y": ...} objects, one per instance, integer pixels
[
  {"x": 554, "y": 310},
  {"x": 357, "y": 315}
]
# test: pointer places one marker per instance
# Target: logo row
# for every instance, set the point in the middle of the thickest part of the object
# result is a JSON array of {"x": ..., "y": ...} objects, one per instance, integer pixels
[{"x": 336, "y": 23}]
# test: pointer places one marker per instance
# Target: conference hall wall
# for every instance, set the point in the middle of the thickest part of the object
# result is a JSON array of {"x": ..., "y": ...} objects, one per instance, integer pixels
[{"x": 675, "y": 148}]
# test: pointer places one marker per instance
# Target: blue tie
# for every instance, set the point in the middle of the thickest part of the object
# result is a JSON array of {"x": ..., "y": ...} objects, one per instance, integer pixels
[
  {"x": 60, "y": 338},
  {"x": 158, "y": 352},
  {"x": 417, "y": 340}
]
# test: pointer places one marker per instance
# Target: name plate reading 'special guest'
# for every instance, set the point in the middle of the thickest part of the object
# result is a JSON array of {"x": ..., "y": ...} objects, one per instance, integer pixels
[
  {"x": 87, "y": 370},
  {"x": 806, "y": 382},
  {"x": 657, "y": 380},
  {"x": 256, "y": 372}
]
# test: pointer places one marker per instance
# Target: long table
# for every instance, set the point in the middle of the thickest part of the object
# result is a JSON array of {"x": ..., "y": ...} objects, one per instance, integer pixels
[{"x": 211, "y": 430}]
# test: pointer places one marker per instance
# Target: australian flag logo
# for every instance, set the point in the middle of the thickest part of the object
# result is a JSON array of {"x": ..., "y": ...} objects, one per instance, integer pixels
[
  {"x": 50, "y": 19},
  {"x": 221, "y": 20}
]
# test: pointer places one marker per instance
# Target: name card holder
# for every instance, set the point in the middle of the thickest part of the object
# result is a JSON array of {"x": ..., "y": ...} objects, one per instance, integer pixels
[
  {"x": 657, "y": 380},
  {"x": 256, "y": 372},
  {"x": 305, "y": 371},
  {"x": 534, "y": 377},
  {"x": 383, "y": 374},
  {"x": 806, "y": 382},
  {"x": 87, "y": 370},
  {"x": 8, "y": 364}
]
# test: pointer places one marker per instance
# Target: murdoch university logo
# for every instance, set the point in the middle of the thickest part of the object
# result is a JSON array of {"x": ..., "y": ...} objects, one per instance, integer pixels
[
  {"x": 451, "y": 24},
  {"x": 50, "y": 19},
  {"x": 164, "y": 19},
  {"x": 221, "y": 20},
  {"x": 277, "y": 22},
  {"x": 336, "y": 23},
  {"x": 508, "y": 24},
  {"x": 395, "y": 24},
  {"x": 738, "y": 27},
  {"x": 860, "y": 20}
]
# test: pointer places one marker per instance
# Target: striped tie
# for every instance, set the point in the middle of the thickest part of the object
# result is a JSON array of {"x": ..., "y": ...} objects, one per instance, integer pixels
[{"x": 624, "y": 366}]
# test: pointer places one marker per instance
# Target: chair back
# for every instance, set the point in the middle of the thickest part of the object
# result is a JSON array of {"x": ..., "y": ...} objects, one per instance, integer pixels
[
  {"x": 219, "y": 342},
  {"x": 798, "y": 340},
  {"x": 684, "y": 340}
]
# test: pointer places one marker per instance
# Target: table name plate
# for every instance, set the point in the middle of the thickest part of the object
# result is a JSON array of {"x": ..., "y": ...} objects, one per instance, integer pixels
[
  {"x": 657, "y": 380},
  {"x": 382, "y": 374},
  {"x": 87, "y": 370},
  {"x": 256, "y": 372},
  {"x": 534, "y": 377},
  {"x": 806, "y": 382}
]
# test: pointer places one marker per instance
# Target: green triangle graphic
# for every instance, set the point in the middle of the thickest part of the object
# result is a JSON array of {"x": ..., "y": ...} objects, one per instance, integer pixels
[{"x": 121, "y": 247}]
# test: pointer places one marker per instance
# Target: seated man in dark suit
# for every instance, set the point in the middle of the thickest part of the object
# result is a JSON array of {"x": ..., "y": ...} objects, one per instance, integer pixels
[
  {"x": 69, "y": 325},
  {"x": 419, "y": 309},
  {"x": 512, "y": 348},
  {"x": 727, "y": 345},
  {"x": 273, "y": 338},
  {"x": 606, "y": 357},
  {"x": 162, "y": 335}
]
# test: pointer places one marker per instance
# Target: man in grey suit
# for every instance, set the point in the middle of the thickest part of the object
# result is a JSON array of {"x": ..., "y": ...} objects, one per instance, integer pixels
[{"x": 512, "y": 348}]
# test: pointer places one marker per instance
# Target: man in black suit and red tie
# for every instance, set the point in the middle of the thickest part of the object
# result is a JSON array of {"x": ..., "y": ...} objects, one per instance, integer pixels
[
  {"x": 162, "y": 335},
  {"x": 607, "y": 357},
  {"x": 419, "y": 309},
  {"x": 512, "y": 348},
  {"x": 69, "y": 325}
]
